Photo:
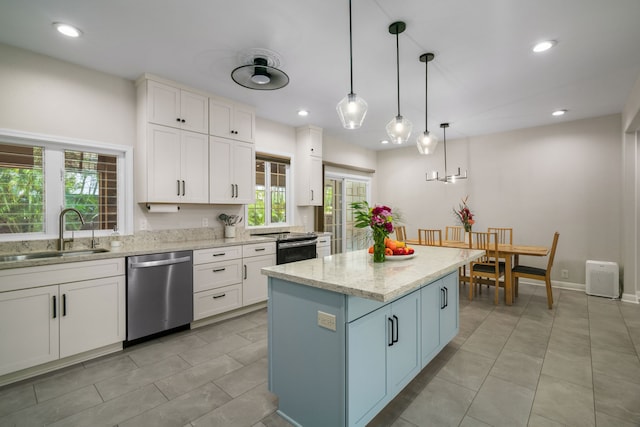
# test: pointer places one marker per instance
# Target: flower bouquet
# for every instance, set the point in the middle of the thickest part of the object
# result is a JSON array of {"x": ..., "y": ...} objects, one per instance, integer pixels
[
  {"x": 464, "y": 215},
  {"x": 380, "y": 220}
]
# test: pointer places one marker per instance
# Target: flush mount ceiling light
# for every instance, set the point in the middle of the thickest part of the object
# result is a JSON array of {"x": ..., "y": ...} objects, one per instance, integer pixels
[
  {"x": 259, "y": 71},
  {"x": 399, "y": 128},
  {"x": 351, "y": 109},
  {"x": 67, "y": 30},
  {"x": 544, "y": 46},
  {"x": 446, "y": 178},
  {"x": 303, "y": 113},
  {"x": 427, "y": 141},
  {"x": 559, "y": 113}
]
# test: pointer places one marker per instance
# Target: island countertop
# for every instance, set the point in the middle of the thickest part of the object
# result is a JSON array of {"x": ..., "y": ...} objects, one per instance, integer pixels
[{"x": 355, "y": 273}]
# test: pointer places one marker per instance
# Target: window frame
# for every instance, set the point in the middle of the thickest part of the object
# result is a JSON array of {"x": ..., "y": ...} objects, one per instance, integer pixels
[
  {"x": 53, "y": 152},
  {"x": 288, "y": 194}
]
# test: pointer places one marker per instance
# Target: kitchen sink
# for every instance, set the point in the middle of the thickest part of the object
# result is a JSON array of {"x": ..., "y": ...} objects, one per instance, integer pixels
[{"x": 51, "y": 254}]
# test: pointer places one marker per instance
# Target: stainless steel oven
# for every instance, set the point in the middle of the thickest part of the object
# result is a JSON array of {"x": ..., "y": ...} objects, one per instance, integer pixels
[{"x": 292, "y": 247}]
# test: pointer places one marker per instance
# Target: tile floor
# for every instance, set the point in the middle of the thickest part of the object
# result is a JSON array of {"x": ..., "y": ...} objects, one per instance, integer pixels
[{"x": 575, "y": 365}]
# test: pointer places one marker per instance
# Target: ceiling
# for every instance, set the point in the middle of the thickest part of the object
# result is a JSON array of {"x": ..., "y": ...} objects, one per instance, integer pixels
[{"x": 484, "y": 77}]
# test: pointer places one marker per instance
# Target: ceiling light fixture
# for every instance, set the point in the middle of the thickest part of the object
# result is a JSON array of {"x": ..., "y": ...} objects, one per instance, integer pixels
[
  {"x": 259, "y": 71},
  {"x": 351, "y": 109},
  {"x": 303, "y": 113},
  {"x": 67, "y": 30},
  {"x": 544, "y": 46},
  {"x": 399, "y": 128},
  {"x": 384, "y": 141},
  {"x": 559, "y": 113},
  {"x": 427, "y": 141},
  {"x": 446, "y": 178}
]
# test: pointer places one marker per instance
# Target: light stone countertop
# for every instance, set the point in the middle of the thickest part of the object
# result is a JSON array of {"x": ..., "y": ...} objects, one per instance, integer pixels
[
  {"x": 140, "y": 248},
  {"x": 355, "y": 273}
]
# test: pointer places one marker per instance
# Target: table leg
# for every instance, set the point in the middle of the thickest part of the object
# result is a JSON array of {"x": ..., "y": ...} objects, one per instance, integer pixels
[{"x": 507, "y": 280}]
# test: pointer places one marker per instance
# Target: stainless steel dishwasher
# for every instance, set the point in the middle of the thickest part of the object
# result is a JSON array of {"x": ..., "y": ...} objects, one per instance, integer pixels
[{"x": 159, "y": 293}]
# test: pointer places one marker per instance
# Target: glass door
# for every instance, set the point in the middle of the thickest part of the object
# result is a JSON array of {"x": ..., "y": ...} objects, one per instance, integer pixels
[{"x": 339, "y": 193}]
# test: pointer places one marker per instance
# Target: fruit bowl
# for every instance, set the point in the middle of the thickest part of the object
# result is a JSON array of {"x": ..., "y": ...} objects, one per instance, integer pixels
[{"x": 399, "y": 257}]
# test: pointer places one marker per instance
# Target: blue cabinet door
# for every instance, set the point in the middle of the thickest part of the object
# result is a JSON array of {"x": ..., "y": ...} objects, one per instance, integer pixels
[
  {"x": 367, "y": 340},
  {"x": 449, "y": 311},
  {"x": 404, "y": 351},
  {"x": 431, "y": 301}
]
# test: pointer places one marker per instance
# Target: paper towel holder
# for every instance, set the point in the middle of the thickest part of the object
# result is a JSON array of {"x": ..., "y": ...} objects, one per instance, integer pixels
[{"x": 162, "y": 208}]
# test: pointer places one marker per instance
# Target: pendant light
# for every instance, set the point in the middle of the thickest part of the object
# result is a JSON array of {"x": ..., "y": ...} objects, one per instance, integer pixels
[
  {"x": 351, "y": 109},
  {"x": 399, "y": 128},
  {"x": 446, "y": 178},
  {"x": 427, "y": 141}
]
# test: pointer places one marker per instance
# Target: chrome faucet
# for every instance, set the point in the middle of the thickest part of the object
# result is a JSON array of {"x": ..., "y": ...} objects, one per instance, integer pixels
[{"x": 61, "y": 239}]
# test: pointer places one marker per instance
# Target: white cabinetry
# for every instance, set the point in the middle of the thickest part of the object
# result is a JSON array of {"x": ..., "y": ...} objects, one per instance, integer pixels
[
  {"x": 323, "y": 247},
  {"x": 229, "y": 119},
  {"x": 217, "y": 281},
  {"x": 308, "y": 168},
  {"x": 172, "y": 106},
  {"x": 232, "y": 171},
  {"x": 177, "y": 166},
  {"x": 60, "y": 311},
  {"x": 255, "y": 284}
]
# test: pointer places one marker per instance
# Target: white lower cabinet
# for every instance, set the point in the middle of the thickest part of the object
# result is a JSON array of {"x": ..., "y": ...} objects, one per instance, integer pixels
[
  {"x": 48, "y": 322},
  {"x": 232, "y": 282}
]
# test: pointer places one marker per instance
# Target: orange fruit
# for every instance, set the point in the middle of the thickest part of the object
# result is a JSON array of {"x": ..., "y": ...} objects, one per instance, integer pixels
[
  {"x": 391, "y": 244},
  {"x": 370, "y": 249},
  {"x": 388, "y": 251}
]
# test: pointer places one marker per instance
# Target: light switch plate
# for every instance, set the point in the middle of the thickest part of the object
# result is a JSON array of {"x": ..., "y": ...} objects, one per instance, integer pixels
[{"x": 326, "y": 320}]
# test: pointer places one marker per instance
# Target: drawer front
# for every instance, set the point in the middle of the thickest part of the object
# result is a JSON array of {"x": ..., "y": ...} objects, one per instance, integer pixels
[
  {"x": 217, "y": 274},
  {"x": 202, "y": 256},
  {"x": 257, "y": 249},
  {"x": 216, "y": 301}
]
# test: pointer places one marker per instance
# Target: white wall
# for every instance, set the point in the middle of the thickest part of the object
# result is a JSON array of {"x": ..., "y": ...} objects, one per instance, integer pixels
[{"x": 564, "y": 177}]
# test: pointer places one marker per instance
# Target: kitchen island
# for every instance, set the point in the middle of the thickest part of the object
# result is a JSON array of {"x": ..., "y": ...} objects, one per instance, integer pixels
[{"x": 347, "y": 335}]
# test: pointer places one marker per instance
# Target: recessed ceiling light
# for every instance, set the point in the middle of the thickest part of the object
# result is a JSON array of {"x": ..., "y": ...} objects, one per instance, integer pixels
[
  {"x": 384, "y": 141},
  {"x": 67, "y": 30},
  {"x": 544, "y": 46},
  {"x": 559, "y": 113},
  {"x": 303, "y": 113}
]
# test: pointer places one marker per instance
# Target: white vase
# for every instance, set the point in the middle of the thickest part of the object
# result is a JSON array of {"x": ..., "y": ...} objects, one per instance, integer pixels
[{"x": 229, "y": 231}]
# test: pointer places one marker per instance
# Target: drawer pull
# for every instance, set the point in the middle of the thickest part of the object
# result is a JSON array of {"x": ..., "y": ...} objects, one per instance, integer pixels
[
  {"x": 55, "y": 314},
  {"x": 220, "y": 254},
  {"x": 219, "y": 296},
  {"x": 218, "y": 270},
  {"x": 260, "y": 249}
]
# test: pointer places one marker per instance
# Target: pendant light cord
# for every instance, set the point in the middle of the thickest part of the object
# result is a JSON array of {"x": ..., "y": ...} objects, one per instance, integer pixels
[
  {"x": 398, "y": 69},
  {"x": 444, "y": 134},
  {"x": 350, "y": 48},
  {"x": 426, "y": 99}
]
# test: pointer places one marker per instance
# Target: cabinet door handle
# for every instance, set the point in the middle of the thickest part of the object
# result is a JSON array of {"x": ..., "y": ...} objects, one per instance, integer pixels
[
  {"x": 55, "y": 311},
  {"x": 183, "y": 121},
  {"x": 232, "y": 191},
  {"x": 236, "y": 190},
  {"x": 184, "y": 187},
  {"x": 178, "y": 181},
  {"x": 446, "y": 297},
  {"x": 178, "y": 119},
  {"x": 245, "y": 272},
  {"x": 259, "y": 249},
  {"x": 397, "y": 322},
  {"x": 441, "y": 298},
  {"x": 218, "y": 270},
  {"x": 220, "y": 254},
  {"x": 64, "y": 305},
  {"x": 390, "y": 343},
  {"x": 311, "y": 194},
  {"x": 219, "y": 296}
]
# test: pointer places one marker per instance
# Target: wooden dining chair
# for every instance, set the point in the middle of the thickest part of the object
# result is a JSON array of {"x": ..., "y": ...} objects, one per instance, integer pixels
[
  {"x": 486, "y": 267},
  {"x": 505, "y": 235},
  {"x": 429, "y": 237},
  {"x": 535, "y": 273},
  {"x": 401, "y": 233},
  {"x": 454, "y": 233}
]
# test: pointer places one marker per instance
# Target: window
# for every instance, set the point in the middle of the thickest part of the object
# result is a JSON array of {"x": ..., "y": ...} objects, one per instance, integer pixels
[
  {"x": 21, "y": 189},
  {"x": 41, "y": 175},
  {"x": 272, "y": 191}
]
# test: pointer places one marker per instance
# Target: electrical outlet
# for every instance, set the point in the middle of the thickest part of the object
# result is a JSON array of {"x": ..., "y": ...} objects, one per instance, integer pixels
[
  {"x": 143, "y": 224},
  {"x": 205, "y": 221},
  {"x": 564, "y": 274},
  {"x": 326, "y": 320}
]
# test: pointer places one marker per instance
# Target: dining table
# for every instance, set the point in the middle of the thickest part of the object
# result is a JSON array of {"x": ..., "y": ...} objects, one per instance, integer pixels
[{"x": 510, "y": 253}]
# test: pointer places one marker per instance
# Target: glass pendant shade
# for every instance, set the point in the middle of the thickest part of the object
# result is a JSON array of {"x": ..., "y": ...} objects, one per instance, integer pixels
[
  {"x": 399, "y": 129},
  {"x": 427, "y": 143},
  {"x": 352, "y": 110}
]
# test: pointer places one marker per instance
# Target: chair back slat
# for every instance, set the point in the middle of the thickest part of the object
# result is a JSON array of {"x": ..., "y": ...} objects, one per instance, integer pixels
[
  {"x": 487, "y": 242},
  {"x": 505, "y": 235},
  {"x": 552, "y": 254},
  {"x": 429, "y": 237},
  {"x": 401, "y": 233},
  {"x": 454, "y": 233}
]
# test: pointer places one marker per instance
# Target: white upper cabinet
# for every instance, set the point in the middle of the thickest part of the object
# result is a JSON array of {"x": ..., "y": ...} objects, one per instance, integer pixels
[
  {"x": 232, "y": 171},
  {"x": 309, "y": 166},
  {"x": 228, "y": 119},
  {"x": 179, "y": 108}
]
